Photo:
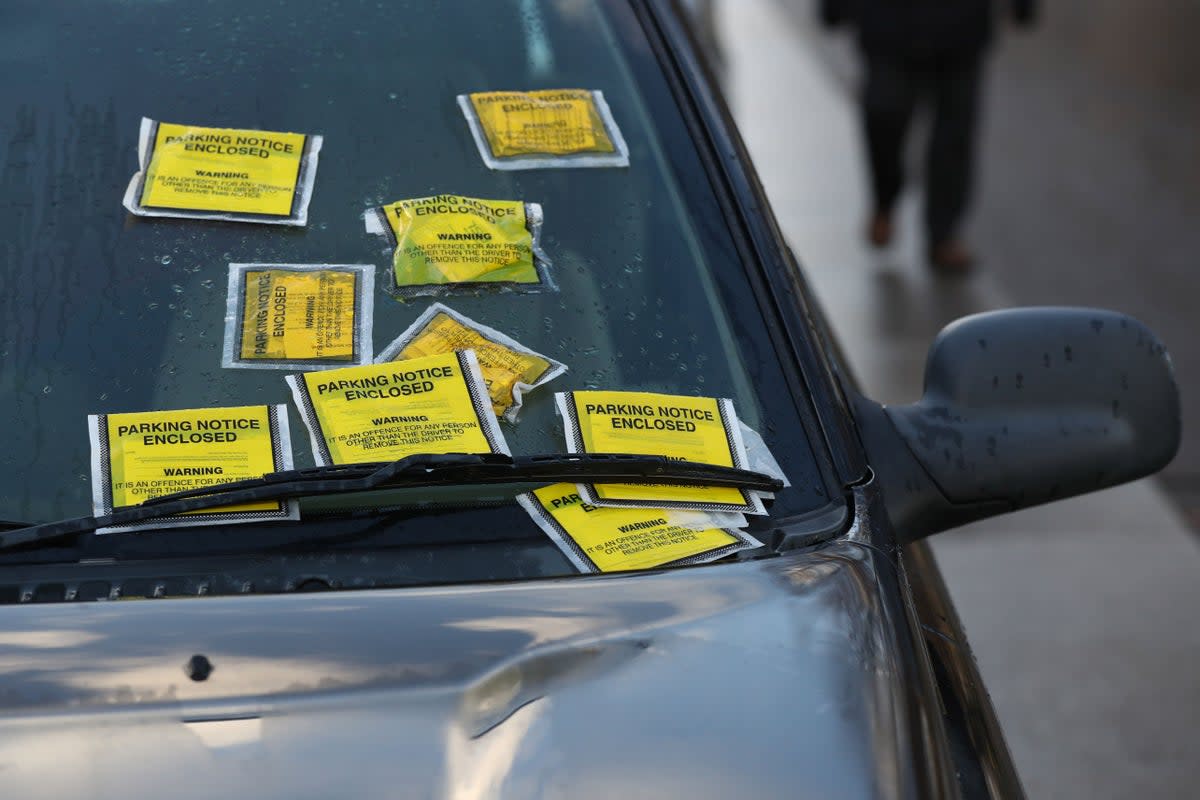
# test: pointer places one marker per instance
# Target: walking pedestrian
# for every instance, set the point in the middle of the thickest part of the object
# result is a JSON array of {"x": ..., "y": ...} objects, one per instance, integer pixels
[{"x": 923, "y": 52}]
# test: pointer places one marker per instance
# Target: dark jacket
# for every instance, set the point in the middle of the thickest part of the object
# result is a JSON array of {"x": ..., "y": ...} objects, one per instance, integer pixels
[{"x": 922, "y": 28}]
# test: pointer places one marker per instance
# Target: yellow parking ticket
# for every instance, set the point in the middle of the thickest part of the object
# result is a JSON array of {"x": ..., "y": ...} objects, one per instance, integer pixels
[
  {"x": 298, "y": 316},
  {"x": 546, "y": 122},
  {"x": 382, "y": 412},
  {"x": 141, "y": 455},
  {"x": 544, "y": 128},
  {"x": 598, "y": 539},
  {"x": 223, "y": 173},
  {"x": 509, "y": 368},
  {"x": 447, "y": 242},
  {"x": 701, "y": 429}
]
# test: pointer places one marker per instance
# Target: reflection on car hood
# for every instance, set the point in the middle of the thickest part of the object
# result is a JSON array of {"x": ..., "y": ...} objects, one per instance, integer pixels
[{"x": 761, "y": 679}]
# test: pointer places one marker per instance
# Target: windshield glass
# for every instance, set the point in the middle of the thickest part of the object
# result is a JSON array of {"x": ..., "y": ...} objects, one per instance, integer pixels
[{"x": 105, "y": 312}]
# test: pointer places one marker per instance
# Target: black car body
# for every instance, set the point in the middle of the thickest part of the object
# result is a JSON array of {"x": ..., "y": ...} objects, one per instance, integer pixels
[{"x": 828, "y": 663}]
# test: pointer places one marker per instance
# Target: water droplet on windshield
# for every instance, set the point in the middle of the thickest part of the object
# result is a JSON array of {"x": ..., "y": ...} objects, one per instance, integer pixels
[
  {"x": 164, "y": 260},
  {"x": 207, "y": 284},
  {"x": 104, "y": 395},
  {"x": 176, "y": 288},
  {"x": 631, "y": 316},
  {"x": 391, "y": 95},
  {"x": 46, "y": 390},
  {"x": 151, "y": 306}
]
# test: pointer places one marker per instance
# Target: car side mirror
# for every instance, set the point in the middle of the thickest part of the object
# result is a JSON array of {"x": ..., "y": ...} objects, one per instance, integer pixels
[{"x": 1022, "y": 407}]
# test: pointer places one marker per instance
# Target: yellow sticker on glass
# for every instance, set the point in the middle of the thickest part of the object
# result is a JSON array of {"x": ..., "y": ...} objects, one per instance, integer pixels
[
  {"x": 448, "y": 242},
  {"x": 298, "y": 316},
  {"x": 549, "y": 122},
  {"x": 544, "y": 128},
  {"x": 383, "y": 412},
  {"x": 598, "y": 539},
  {"x": 509, "y": 368},
  {"x": 223, "y": 173},
  {"x": 701, "y": 429},
  {"x": 141, "y": 455}
]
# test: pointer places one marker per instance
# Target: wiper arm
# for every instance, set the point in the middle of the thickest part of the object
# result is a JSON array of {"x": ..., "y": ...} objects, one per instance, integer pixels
[{"x": 411, "y": 472}]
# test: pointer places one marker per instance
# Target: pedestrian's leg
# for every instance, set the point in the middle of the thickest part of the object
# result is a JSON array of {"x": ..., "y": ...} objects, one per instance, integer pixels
[
  {"x": 888, "y": 97},
  {"x": 950, "y": 161}
]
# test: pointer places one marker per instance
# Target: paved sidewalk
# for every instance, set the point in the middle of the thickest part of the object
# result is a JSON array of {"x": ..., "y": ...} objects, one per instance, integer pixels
[{"x": 1081, "y": 612}]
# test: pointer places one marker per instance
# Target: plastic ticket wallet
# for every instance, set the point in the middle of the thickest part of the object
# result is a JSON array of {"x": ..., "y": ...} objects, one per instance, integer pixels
[
  {"x": 598, "y": 539},
  {"x": 382, "y": 412},
  {"x": 447, "y": 242},
  {"x": 701, "y": 429},
  {"x": 223, "y": 173},
  {"x": 544, "y": 128},
  {"x": 298, "y": 316},
  {"x": 509, "y": 368},
  {"x": 142, "y": 455}
]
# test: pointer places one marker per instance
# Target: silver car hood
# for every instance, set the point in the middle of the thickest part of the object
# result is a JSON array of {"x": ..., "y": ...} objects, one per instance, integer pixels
[{"x": 774, "y": 678}]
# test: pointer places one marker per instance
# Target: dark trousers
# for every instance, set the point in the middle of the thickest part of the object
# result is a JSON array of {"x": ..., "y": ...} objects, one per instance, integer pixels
[{"x": 893, "y": 89}]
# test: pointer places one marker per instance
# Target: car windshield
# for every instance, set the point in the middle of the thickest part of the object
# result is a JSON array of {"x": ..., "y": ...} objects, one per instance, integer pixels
[{"x": 106, "y": 312}]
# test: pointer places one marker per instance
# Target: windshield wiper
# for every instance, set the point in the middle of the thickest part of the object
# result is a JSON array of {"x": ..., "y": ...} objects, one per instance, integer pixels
[{"x": 416, "y": 471}]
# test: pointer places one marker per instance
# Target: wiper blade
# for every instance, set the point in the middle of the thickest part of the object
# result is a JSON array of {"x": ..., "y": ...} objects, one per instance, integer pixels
[{"x": 411, "y": 472}]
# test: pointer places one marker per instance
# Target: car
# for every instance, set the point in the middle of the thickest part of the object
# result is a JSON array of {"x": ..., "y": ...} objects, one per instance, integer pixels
[{"x": 415, "y": 626}]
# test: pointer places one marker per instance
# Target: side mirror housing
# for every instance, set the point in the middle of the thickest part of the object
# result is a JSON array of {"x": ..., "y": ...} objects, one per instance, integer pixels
[{"x": 1022, "y": 407}]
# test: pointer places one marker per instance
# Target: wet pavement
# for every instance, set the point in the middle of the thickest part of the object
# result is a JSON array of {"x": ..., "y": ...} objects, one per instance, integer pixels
[
  {"x": 1080, "y": 613},
  {"x": 1089, "y": 171},
  {"x": 1097, "y": 202}
]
